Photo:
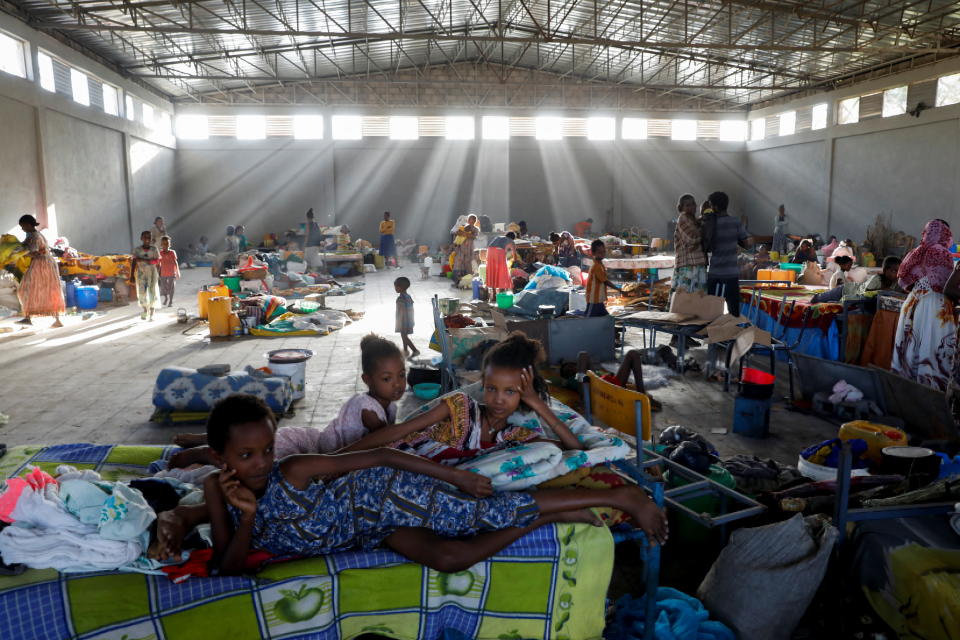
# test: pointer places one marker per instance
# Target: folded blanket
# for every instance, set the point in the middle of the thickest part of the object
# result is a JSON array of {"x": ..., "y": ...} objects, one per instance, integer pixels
[{"x": 182, "y": 389}]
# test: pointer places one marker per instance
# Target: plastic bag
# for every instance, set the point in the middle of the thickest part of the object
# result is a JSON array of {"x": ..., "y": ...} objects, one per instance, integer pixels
[{"x": 765, "y": 578}]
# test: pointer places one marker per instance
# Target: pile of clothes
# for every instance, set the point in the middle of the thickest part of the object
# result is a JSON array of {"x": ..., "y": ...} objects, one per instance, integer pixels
[{"x": 80, "y": 522}]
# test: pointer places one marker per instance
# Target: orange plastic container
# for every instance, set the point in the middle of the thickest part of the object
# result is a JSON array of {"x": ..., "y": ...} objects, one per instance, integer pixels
[
  {"x": 218, "y": 309},
  {"x": 765, "y": 274},
  {"x": 877, "y": 436}
]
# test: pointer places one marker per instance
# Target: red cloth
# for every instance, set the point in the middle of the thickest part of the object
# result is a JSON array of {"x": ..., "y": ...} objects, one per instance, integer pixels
[
  {"x": 198, "y": 566},
  {"x": 612, "y": 379},
  {"x": 931, "y": 260},
  {"x": 498, "y": 273},
  {"x": 169, "y": 267}
]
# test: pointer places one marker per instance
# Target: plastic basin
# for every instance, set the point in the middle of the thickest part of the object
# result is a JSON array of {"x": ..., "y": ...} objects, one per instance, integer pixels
[
  {"x": 756, "y": 384},
  {"x": 426, "y": 390}
]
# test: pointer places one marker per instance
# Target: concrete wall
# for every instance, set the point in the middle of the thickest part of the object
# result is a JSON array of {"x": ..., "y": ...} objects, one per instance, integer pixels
[
  {"x": 426, "y": 183},
  {"x": 82, "y": 173}
]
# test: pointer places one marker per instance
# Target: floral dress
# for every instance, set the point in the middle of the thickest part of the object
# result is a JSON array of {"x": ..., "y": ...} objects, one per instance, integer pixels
[
  {"x": 926, "y": 340},
  {"x": 39, "y": 291},
  {"x": 360, "y": 509}
]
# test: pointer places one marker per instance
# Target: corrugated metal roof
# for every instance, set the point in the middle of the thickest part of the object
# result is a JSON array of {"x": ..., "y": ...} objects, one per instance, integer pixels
[{"x": 730, "y": 53}]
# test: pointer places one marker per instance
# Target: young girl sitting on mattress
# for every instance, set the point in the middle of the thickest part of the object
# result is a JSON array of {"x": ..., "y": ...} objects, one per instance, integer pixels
[
  {"x": 384, "y": 373},
  {"x": 318, "y": 504}
]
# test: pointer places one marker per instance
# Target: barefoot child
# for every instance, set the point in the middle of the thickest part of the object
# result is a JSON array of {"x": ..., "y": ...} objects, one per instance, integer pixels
[
  {"x": 169, "y": 271},
  {"x": 385, "y": 375},
  {"x": 319, "y": 504},
  {"x": 598, "y": 282},
  {"x": 405, "y": 316},
  {"x": 146, "y": 260}
]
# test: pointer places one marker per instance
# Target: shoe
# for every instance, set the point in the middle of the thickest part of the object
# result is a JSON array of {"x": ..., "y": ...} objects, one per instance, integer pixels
[{"x": 143, "y": 315}]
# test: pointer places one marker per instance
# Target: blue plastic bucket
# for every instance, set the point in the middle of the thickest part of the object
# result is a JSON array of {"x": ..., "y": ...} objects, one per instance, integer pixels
[
  {"x": 70, "y": 292},
  {"x": 106, "y": 294},
  {"x": 87, "y": 297}
]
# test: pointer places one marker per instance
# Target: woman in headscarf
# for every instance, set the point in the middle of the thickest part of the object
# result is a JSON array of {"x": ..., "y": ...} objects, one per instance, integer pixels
[
  {"x": 568, "y": 256},
  {"x": 39, "y": 291},
  {"x": 926, "y": 342},
  {"x": 463, "y": 262}
]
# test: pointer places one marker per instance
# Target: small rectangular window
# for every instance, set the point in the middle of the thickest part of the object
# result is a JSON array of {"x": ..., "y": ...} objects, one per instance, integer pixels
[
  {"x": 848, "y": 111},
  {"x": 733, "y": 130},
  {"x": 251, "y": 127},
  {"x": 81, "y": 88},
  {"x": 459, "y": 128},
  {"x": 404, "y": 128},
  {"x": 346, "y": 127},
  {"x": 634, "y": 129},
  {"x": 549, "y": 128},
  {"x": 495, "y": 128},
  {"x": 130, "y": 109},
  {"x": 788, "y": 123},
  {"x": 47, "y": 80},
  {"x": 818, "y": 116},
  {"x": 683, "y": 130},
  {"x": 308, "y": 127},
  {"x": 948, "y": 90},
  {"x": 110, "y": 100},
  {"x": 894, "y": 101},
  {"x": 191, "y": 127},
  {"x": 147, "y": 116},
  {"x": 758, "y": 129},
  {"x": 601, "y": 128},
  {"x": 12, "y": 56}
]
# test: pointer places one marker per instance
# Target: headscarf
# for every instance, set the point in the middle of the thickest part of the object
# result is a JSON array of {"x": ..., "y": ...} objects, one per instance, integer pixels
[{"x": 930, "y": 260}]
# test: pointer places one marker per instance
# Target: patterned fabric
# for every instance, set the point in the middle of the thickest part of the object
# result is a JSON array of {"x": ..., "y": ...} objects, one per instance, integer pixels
[
  {"x": 148, "y": 276},
  {"x": 596, "y": 284},
  {"x": 688, "y": 241},
  {"x": 690, "y": 279},
  {"x": 458, "y": 438},
  {"x": 931, "y": 260},
  {"x": 822, "y": 317},
  {"x": 39, "y": 291},
  {"x": 463, "y": 256},
  {"x": 567, "y": 254},
  {"x": 404, "y": 313},
  {"x": 360, "y": 509},
  {"x": 549, "y": 584},
  {"x": 926, "y": 343},
  {"x": 182, "y": 389}
]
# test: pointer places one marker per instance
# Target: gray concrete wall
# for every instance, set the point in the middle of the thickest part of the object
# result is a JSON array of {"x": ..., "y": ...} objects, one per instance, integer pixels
[
  {"x": 67, "y": 161},
  {"x": 796, "y": 176},
  {"x": 426, "y": 183}
]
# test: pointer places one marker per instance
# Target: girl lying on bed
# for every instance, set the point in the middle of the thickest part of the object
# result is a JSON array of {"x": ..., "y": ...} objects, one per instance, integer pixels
[{"x": 318, "y": 504}]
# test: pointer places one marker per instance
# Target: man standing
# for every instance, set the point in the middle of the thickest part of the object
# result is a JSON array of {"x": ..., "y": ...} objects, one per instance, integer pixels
[
  {"x": 583, "y": 228},
  {"x": 311, "y": 242},
  {"x": 721, "y": 236}
]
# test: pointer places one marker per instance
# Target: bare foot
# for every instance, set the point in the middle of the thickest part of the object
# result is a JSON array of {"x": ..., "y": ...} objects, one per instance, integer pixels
[
  {"x": 187, "y": 457},
  {"x": 644, "y": 512},
  {"x": 187, "y": 440}
]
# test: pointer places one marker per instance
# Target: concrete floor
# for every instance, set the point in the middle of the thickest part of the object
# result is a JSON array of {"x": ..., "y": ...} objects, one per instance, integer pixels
[{"x": 92, "y": 380}]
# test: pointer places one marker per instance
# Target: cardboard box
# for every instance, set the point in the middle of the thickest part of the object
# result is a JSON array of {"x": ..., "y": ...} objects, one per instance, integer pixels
[
  {"x": 737, "y": 330},
  {"x": 700, "y": 307}
]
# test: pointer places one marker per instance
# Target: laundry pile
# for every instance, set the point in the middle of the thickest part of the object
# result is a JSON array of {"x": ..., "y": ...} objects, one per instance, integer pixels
[{"x": 80, "y": 522}]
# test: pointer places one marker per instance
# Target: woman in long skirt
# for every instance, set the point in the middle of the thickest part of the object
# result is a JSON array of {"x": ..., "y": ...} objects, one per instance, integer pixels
[
  {"x": 500, "y": 255},
  {"x": 39, "y": 291},
  {"x": 463, "y": 261},
  {"x": 388, "y": 245},
  {"x": 926, "y": 339}
]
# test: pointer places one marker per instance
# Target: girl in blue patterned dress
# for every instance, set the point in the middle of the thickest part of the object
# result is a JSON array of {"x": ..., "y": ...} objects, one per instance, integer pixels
[{"x": 318, "y": 504}]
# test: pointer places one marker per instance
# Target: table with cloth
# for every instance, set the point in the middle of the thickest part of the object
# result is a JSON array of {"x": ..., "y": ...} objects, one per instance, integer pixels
[
  {"x": 551, "y": 583},
  {"x": 822, "y": 337}
]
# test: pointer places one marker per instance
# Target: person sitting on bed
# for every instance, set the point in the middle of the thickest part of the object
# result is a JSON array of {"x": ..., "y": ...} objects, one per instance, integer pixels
[
  {"x": 320, "y": 504},
  {"x": 886, "y": 280},
  {"x": 384, "y": 373},
  {"x": 459, "y": 428}
]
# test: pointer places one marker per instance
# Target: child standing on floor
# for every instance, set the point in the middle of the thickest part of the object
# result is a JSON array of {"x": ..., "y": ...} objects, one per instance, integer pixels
[
  {"x": 384, "y": 373},
  {"x": 145, "y": 269},
  {"x": 597, "y": 281},
  {"x": 169, "y": 271},
  {"x": 405, "y": 316},
  {"x": 373, "y": 498}
]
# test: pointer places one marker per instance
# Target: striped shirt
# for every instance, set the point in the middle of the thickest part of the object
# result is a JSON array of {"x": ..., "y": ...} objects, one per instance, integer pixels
[
  {"x": 721, "y": 236},
  {"x": 597, "y": 284},
  {"x": 688, "y": 241}
]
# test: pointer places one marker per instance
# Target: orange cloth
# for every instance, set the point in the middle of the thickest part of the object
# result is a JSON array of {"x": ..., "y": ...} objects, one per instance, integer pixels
[
  {"x": 878, "y": 349},
  {"x": 582, "y": 228},
  {"x": 388, "y": 227},
  {"x": 597, "y": 284},
  {"x": 39, "y": 292}
]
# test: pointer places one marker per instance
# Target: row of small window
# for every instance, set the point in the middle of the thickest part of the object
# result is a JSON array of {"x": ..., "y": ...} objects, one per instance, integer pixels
[
  {"x": 55, "y": 75},
  {"x": 354, "y": 127}
]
